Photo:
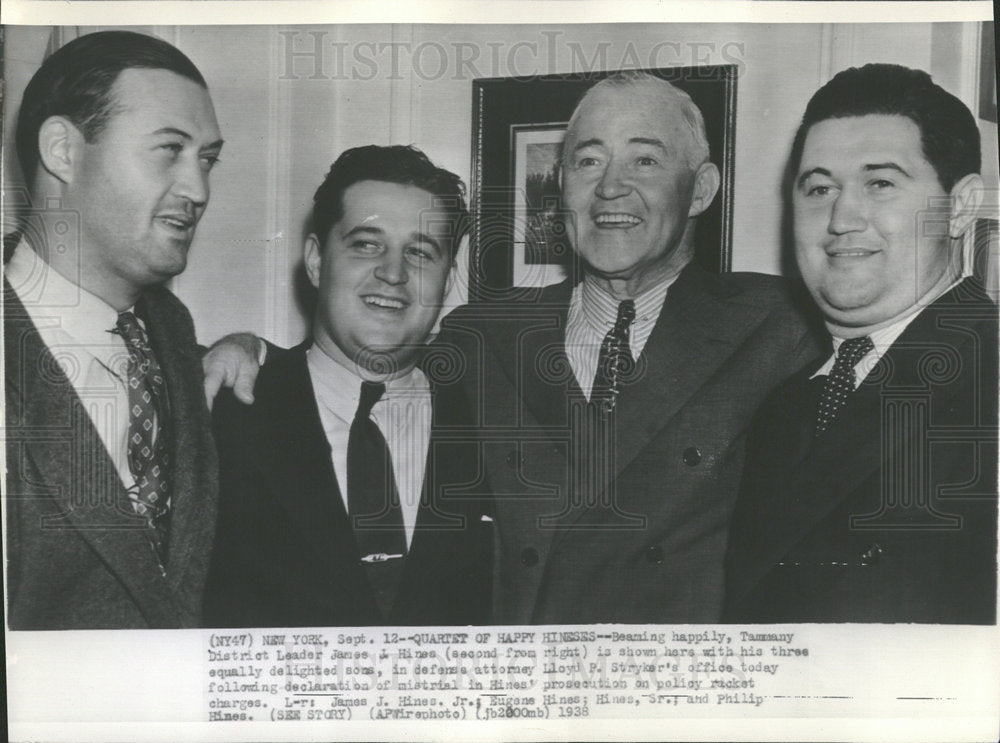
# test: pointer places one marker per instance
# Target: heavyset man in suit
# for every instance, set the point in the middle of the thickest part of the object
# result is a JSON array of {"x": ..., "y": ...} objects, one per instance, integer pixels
[
  {"x": 870, "y": 489},
  {"x": 349, "y": 488},
  {"x": 111, "y": 484}
]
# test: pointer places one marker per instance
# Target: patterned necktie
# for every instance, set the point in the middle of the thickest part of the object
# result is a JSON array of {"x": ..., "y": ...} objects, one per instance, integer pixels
[
  {"x": 372, "y": 499},
  {"x": 148, "y": 458},
  {"x": 840, "y": 382},
  {"x": 615, "y": 359}
]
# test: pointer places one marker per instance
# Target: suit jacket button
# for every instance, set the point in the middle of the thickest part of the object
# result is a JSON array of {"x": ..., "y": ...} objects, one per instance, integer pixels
[
  {"x": 514, "y": 459},
  {"x": 692, "y": 456},
  {"x": 871, "y": 556},
  {"x": 654, "y": 554},
  {"x": 529, "y": 557}
]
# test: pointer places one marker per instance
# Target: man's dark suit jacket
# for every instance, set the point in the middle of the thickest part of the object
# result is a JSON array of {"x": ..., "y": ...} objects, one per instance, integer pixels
[
  {"x": 630, "y": 528},
  {"x": 891, "y": 514},
  {"x": 78, "y": 557},
  {"x": 285, "y": 553}
]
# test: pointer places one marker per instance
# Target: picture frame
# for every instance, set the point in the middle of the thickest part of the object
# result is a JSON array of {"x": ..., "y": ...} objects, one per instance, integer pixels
[
  {"x": 519, "y": 236},
  {"x": 988, "y": 74}
]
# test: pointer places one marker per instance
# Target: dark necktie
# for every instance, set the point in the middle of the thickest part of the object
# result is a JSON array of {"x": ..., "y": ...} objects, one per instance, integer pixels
[
  {"x": 148, "y": 458},
  {"x": 372, "y": 499},
  {"x": 840, "y": 382},
  {"x": 615, "y": 359}
]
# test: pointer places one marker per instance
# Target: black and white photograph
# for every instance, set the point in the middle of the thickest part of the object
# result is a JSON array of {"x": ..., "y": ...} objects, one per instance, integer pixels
[{"x": 558, "y": 380}]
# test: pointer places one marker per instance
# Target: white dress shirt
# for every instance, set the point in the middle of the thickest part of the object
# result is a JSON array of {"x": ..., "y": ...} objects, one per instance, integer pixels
[
  {"x": 76, "y": 327},
  {"x": 592, "y": 313},
  {"x": 402, "y": 414},
  {"x": 882, "y": 340}
]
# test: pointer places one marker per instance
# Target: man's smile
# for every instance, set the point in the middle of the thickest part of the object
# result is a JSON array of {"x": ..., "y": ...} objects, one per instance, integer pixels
[
  {"x": 382, "y": 302},
  {"x": 616, "y": 220},
  {"x": 851, "y": 252},
  {"x": 177, "y": 221}
]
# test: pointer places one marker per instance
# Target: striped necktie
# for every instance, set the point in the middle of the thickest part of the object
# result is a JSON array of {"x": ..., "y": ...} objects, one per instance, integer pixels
[{"x": 614, "y": 360}]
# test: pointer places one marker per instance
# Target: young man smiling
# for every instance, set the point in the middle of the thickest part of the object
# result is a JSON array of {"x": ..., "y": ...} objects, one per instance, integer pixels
[
  {"x": 870, "y": 489},
  {"x": 348, "y": 487}
]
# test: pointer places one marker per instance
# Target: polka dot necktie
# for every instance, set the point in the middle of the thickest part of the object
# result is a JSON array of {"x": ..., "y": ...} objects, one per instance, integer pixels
[
  {"x": 840, "y": 382},
  {"x": 614, "y": 360},
  {"x": 148, "y": 458}
]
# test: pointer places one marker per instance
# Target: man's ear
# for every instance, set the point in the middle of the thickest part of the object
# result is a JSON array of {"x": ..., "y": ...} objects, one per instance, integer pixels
[
  {"x": 60, "y": 145},
  {"x": 966, "y": 198},
  {"x": 312, "y": 255},
  {"x": 449, "y": 281},
  {"x": 706, "y": 185}
]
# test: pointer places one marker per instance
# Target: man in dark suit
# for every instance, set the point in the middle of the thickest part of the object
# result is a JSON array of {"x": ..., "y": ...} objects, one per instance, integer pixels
[
  {"x": 870, "y": 489},
  {"x": 349, "y": 488},
  {"x": 612, "y": 411},
  {"x": 111, "y": 472}
]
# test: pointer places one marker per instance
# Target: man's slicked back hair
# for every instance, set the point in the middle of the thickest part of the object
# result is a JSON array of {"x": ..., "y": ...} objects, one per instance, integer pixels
[
  {"x": 400, "y": 164},
  {"x": 77, "y": 82}
]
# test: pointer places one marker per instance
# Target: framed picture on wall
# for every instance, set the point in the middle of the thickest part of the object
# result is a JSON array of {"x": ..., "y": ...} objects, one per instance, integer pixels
[
  {"x": 540, "y": 246},
  {"x": 519, "y": 236},
  {"x": 988, "y": 74}
]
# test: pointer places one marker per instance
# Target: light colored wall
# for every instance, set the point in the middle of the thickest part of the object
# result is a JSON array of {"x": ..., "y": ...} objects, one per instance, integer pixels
[{"x": 285, "y": 125}]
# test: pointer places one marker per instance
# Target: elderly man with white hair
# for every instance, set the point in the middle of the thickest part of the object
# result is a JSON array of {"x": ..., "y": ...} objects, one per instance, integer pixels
[{"x": 613, "y": 410}]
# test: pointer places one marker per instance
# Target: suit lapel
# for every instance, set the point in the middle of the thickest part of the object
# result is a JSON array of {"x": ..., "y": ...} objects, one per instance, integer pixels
[
  {"x": 436, "y": 521},
  {"x": 833, "y": 466},
  {"x": 450, "y": 479},
  {"x": 193, "y": 511},
  {"x": 535, "y": 359},
  {"x": 76, "y": 470},
  {"x": 700, "y": 326},
  {"x": 295, "y": 456},
  {"x": 698, "y": 329}
]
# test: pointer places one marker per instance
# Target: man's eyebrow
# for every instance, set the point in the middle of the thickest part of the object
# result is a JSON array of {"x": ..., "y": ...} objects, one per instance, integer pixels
[
  {"x": 597, "y": 142},
  {"x": 592, "y": 142},
  {"x": 648, "y": 140},
  {"x": 184, "y": 135},
  {"x": 812, "y": 171},
  {"x": 364, "y": 229},
  {"x": 887, "y": 166},
  {"x": 423, "y": 237}
]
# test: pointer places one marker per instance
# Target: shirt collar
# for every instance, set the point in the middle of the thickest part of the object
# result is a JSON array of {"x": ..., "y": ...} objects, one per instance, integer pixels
[
  {"x": 885, "y": 336},
  {"x": 52, "y": 298},
  {"x": 339, "y": 388},
  {"x": 882, "y": 339},
  {"x": 600, "y": 309}
]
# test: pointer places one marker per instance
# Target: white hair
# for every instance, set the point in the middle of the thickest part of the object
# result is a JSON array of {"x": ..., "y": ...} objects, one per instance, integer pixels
[{"x": 697, "y": 150}]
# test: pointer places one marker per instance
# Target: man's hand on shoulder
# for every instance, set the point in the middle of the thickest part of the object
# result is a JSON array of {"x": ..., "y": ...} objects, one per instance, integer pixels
[{"x": 233, "y": 361}]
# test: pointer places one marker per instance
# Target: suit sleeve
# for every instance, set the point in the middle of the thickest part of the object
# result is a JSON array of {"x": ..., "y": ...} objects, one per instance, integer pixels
[{"x": 232, "y": 594}]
